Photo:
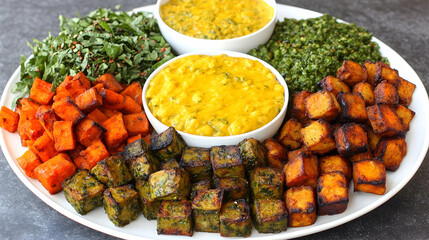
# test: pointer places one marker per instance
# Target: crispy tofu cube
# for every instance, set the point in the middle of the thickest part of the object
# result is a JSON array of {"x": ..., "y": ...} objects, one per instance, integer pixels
[
  {"x": 334, "y": 85},
  {"x": 171, "y": 184},
  {"x": 197, "y": 162},
  {"x": 206, "y": 207},
  {"x": 175, "y": 218},
  {"x": 385, "y": 93},
  {"x": 290, "y": 134},
  {"x": 361, "y": 156},
  {"x": 317, "y": 137},
  {"x": 226, "y": 161},
  {"x": 168, "y": 144},
  {"x": 302, "y": 170},
  {"x": 276, "y": 153},
  {"x": 385, "y": 121},
  {"x": 350, "y": 139},
  {"x": 235, "y": 219},
  {"x": 366, "y": 91},
  {"x": 121, "y": 204},
  {"x": 234, "y": 188},
  {"x": 87, "y": 131},
  {"x": 298, "y": 105},
  {"x": 266, "y": 182},
  {"x": 83, "y": 192},
  {"x": 253, "y": 153},
  {"x": 405, "y": 91},
  {"x": 148, "y": 205},
  {"x": 269, "y": 215},
  {"x": 335, "y": 163},
  {"x": 332, "y": 193},
  {"x": 391, "y": 151},
  {"x": 322, "y": 105},
  {"x": 385, "y": 72},
  {"x": 112, "y": 171},
  {"x": 351, "y": 73},
  {"x": 200, "y": 185},
  {"x": 406, "y": 115},
  {"x": 170, "y": 164},
  {"x": 352, "y": 107},
  {"x": 371, "y": 71},
  {"x": 301, "y": 206},
  {"x": 369, "y": 176}
]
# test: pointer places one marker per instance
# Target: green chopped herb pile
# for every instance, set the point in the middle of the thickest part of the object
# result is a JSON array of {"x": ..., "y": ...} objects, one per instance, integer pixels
[
  {"x": 128, "y": 45},
  {"x": 306, "y": 51}
]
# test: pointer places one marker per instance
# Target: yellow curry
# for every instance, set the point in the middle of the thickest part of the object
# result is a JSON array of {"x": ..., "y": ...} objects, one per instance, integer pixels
[
  {"x": 216, "y": 19},
  {"x": 215, "y": 95}
]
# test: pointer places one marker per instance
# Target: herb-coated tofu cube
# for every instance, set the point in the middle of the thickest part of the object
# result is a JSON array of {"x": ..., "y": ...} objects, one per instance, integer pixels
[
  {"x": 352, "y": 107},
  {"x": 352, "y": 72},
  {"x": 135, "y": 149},
  {"x": 235, "y": 220},
  {"x": 175, "y": 218},
  {"x": 121, "y": 204},
  {"x": 276, "y": 153},
  {"x": 170, "y": 164},
  {"x": 269, "y": 215},
  {"x": 140, "y": 159},
  {"x": 206, "y": 207},
  {"x": 83, "y": 192},
  {"x": 405, "y": 91},
  {"x": 197, "y": 162},
  {"x": 406, "y": 115},
  {"x": 170, "y": 184},
  {"x": 168, "y": 144},
  {"x": 302, "y": 170},
  {"x": 149, "y": 205},
  {"x": 301, "y": 206},
  {"x": 350, "y": 139},
  {"x": 317, "y": 137},
  {"x": 369, "y": 176},
  {"x": 226, "y": 161},
  {"x": 234, "y": 188},
  {"x": 384, "y": 72},
  {"x": 385, "y": 121},
  {"x": 112, "y": 171},
  {"x": 335, "y": 163},
  {"x": 200, "y": 185},
  {"x": 391, "y": 151},
  {"x": 334, "y": 85},
  {"x": 290, "y": 134},
  {"x": 385, "y": 93},
  {"x": 322, "y": 105},
  {"x": 266, "y": 182},
  {"x": 332, "y": 193},
  {"x": 298, "y": 105},
  {"x": 253, "y": 153},
  {"x": 365, "y": 89}
]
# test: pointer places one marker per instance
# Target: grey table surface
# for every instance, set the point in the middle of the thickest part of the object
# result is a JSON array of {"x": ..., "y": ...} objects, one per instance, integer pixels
[{"x": 401, "y": 24}]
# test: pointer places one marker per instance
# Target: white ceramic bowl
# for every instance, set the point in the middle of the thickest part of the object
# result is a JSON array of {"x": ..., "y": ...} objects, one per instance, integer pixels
[
  {"x": 182, "y": 44},
  {"x": 260, "y": 134}
]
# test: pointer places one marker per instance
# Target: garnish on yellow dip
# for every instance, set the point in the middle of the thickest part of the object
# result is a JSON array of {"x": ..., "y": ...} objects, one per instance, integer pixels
[
  {"x": 215, "y": 95},
  {"x": 216, "y": 19}
]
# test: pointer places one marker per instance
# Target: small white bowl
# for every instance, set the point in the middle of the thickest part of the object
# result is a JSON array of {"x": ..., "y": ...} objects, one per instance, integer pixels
[
  {"x": 260, "y": 134},
  {"x": 182, "y": 44}
]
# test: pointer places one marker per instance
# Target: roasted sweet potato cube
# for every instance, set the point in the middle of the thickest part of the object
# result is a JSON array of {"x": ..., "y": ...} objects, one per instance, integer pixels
[
  {"x": 334, "y": 85},
  {"x": 88, "y": 131},
  {"x": 391, "y": 151},
  {"x": 133, "y": 138},
  {"x": 385, "y": 121},
  {"x": 406, "y": 115},
  {"x": 352, "y": 72},
  {"x": 266, "y": 182},
  {"x": 28, "y": 162},
  {"x": 44, "y": 148},
  {"x": 234, "y": 188},
  {"x": 350, "y": 139},
  {"x": 290, "y": 134},
  {"x": 253, "y": 153},
  {"x": 196, "y": 161},
  {"x": 136, "y": 123},
  {"x": 373, "y": 138},
  {"x": 369, "y": 176},
  {"x": 352, "y": 107},
  {"x": 47, "y": 117},
  {"x": 206, "y": 206},
  {"x": 405, "y": 91},
  {"x": 168, "y": 144},
  {"x": 116, "y": 132},
  {"x": 366, "y": 91},
  {"x": 149, "y": 205},
  {"x": 301, "y": 206},
  {"x": 385, "y": 93},
  {"x": 41, "y": 91},
  {"x": 226, "y": 161},
  {"x": 28, "y": 109},
  {"x": 134, "y": 90},
  {"x": 112, "y": 100},
  {"x": 269, "y": 215},
  {"x": 385, "y": 72},
  {"x": 112, "y": 171},
  {"x": 298, "y": 105},
  {"x": 89, "y": 100},
  {"x": 72, "y": 87},
  {"x": 9, "y": 119},
  {"x": 97, "y": 116},
  {"x": 63, "y": 136},
  {"x": 295, "y": 153},
  {"x": 109, "y": 112},
  {"x": 109, "y": 82},
  {"x": 335, "y": 163},
  {"x": 173, "y": 184},
  {"x": 235, "y": 220},
  {"x": 361, "y": 156},
  {"x": 131, "y": 106},
  {"x": 203, "y": 184},
  {"x": 317, "y": 137},
  {"x": 302, "y": 170},
  {"x": 332, "y": 193},
  {"x": 92, "y": 155},
  {"x": 32, "y": 129},
  {"x": 121, "y": 204},
  {"x": 67, "y": 110},
  {"x": 276, "y": 153},
  {"x": 175, "y": 218},
  {"x": 371, "y": 70},
  {"x": 322, "y": 105}
]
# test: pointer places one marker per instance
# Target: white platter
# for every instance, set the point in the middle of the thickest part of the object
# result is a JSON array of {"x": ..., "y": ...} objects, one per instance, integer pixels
[{"x": 359, "y": 204}]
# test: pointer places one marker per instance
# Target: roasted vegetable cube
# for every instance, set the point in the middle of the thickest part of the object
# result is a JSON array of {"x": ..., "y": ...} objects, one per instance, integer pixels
[
  {"x": 136, "y": 123},
  {"x": 391, "y": 151},
  {"x": 134, "y": 90},
  {"x": 200, "y": 185},
  {"x": 351, "y": 73},
  {"x": 269, "y": 215},
  {"x": 406, "y": 115},
  {"x": 301, "y": 206},
  {"x": 135, "y": 149},
  {"x": 373, "y": 138},
  {"x": 206, "y": 207},
  {"x": 366, "y": 91},
  {"x": 41, "y": 91},
  {"x": 235, "y": 219},
  {"x": 112, "y": 171},
  {"x": 385, "y": 72},
  {"x": 226, "y": 161},
  {"x": 352, "y": 107},
  {"x": 385, "y": 93},
  {"x": 298, "y": 105},
  {"x": 350, "y": 139},
  {"x": 47, "y": 117},
  {"x": 405, "y": 91},
  {"x": 322, "y": 105},
  {"x": 276, "y": 153},
  {"x": 197, "y": 162},
  {"x": 112, "y": 100},
  {"x": 335, "y": 163},
  {"x": 139, "y": 159},
  {"x": 67, "y": 110},
  {"x": 109, "y": 82},
  {"x": 168, "y": 144},
  {"x": 369, "y": 176},
  {"x": 9, "y": 119},
  {"x": 234, "y": 188},
  {"x": 317, "y": 137},
  {"x": 290, "y": 134},
  {"x": 121, "y": 204},
  {"x": 87, "y": 131},
  {"x": 171, "y": 184},
  {"x": 253, "y": 153},
  {"x": 116, "y": 133},
  {"x": 174, "y": 218},
  {"x": 170, "y": 164},
  {"x": 295, "y": 153},
  {"x": 64, "y": 138},
  {"x": 266, "y": 182},
  {"x": 371, "y": 71},
  {"x": 89, "y": 100},
  {"x": 385, "y": 121},
  {"x": 83, "y": 192},
  {"x": 149, "y": 205},
  {"x": 92, "y": 155},
  {"x": 44, "y": 147},
  {"x": 332, "y": 193},
  {"x": 334, "y": 85},
  {"x": 28, "y": 162},
  {"x": 360, "y": 156},
  {"x": 302, "y": 170}
]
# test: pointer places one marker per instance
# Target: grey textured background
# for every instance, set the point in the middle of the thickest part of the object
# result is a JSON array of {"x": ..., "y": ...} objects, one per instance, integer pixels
[{"x": 401, "y": 24}]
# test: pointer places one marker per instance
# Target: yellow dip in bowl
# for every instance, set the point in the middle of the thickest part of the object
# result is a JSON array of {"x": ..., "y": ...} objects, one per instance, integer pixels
[
  {"x": 216, "y": 19},
  {"x": 215, "y": 95}
]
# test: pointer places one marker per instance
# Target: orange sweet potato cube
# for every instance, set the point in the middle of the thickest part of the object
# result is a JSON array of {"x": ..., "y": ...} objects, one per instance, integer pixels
[
  {"x": 352, "y": 107},
  {"x": 334, "y": 85},
  {"x": 44, "y": 148},
  {"x": 332, "y": 193},
  {"x": 298, "y": 105},
  {"x": 9, "y": 119},
  {"x": 72, "y": 87},
  {"x": 335, "y": 163},
  {"x": 41, "y": 91},
  {"x": 112, "y": 100},
  {"x": 47, "y": 117},
  {"x": 89, "y": 100},
  {"x": 369, "y": 176},
  {"x": 131, "y": 106},
  {"x": 97, "y": 116},
  {"x": 92, "y": 155},
  {"x": 28, "y": 162},
  {"x": 405, "y": 91},
  {"x": 391, "y": 151},
  {"x": 385, "y": 121},
  {"x": 351, "y": 73},
  {"x": 88, "y": 131},
  {"x": 406, "y": 115},
  {"x": 384, "y": 72},
  {"x": 366, "y": 91},
  {"x": 301, "y": 206},
  {"x": 361, "y": 156},
  {"x": 63, "y": 136},
  {"x": 371, "y": 70},
  {"x": 276, "y": 153},
  {"x": 109, "y": 82},
  {"x": 133, "y": 138},
  {"x": 67, "y": 110},
  {"x": 385, "y": 93},
  {"x": 136, "y": 123},
  {"x": 350, "y": 139},
  {"x": 290, "y": 134},
  {"x": 317, "y": 137},
  {"x": 302, "y": 170},
  {"x": 134, "y": 90},
  {"x": 116, "y": 132},
  {"x": 322, "y": 105}
]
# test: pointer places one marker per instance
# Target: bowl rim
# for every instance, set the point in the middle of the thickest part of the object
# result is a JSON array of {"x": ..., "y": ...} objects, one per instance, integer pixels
[
  {"x": 157, "y": 13},
  {"x": 279, "y": 78}
]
